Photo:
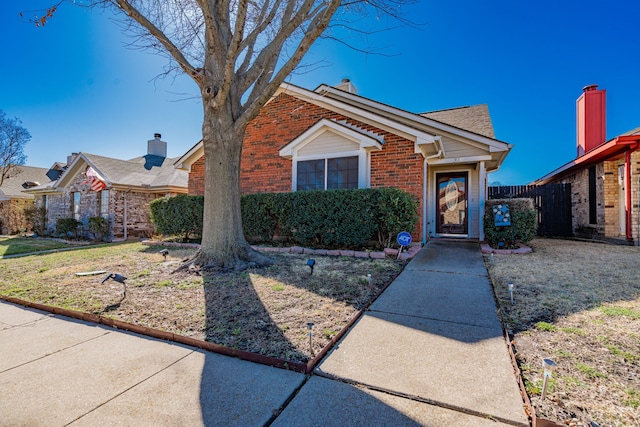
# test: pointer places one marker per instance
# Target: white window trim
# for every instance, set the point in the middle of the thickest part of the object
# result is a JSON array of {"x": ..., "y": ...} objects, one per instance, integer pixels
[
  {"x": 363, "y": 166},
  {"x": 366, "y": 142}
]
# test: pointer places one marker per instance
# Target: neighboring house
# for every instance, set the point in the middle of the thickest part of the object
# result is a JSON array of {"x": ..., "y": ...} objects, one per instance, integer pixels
[
  {"x": 604, "y": 176},
  {"x": 13, "y": 201},
  {"x": 117, "y": 190},
  {"x": 332, "y": 138}
]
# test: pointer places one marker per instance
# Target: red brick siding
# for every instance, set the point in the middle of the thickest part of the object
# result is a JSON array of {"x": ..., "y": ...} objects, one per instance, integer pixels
[
  {"x": 285, "y": 118},
  {"x": 196, "y": 178}
]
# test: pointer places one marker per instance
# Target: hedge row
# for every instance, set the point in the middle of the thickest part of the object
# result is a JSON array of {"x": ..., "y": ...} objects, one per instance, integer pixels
[
  {"x": 178, "y": 216},
  {"x": 524, "y": 223},
  {"x": 335, "y": 218}
]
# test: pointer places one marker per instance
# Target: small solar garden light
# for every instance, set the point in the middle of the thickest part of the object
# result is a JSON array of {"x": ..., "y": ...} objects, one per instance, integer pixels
[
  {"x": 117, "y": 278},
  {"x": 311, "y": 263},
  {"x": 310, "y": 327},
  {"x": 510, "y": 285},
  {"x": 164, "y": 253},
  {"x": 369, "y": 278},
  {"x": 549, "y": 366}
]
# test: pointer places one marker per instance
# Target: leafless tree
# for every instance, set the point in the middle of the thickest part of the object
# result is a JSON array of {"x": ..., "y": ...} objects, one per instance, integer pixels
[
  {"x": 13, "y": 138},
  {"x": 238, "y": 52}
]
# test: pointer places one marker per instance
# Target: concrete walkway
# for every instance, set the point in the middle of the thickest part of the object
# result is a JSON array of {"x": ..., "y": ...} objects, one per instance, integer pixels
[{"x": 428, "y": 352}]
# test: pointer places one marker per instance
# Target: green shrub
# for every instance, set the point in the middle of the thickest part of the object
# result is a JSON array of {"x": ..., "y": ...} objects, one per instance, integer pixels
[
  {"x": 397, "y": 211},
  {"x": 37, "y": 219},
  {"x": 523, "y": 228},
  {"x": 334, "y": 218},
  {"x": 178, "y": 216},
  {"x": 99, "y": 227},
  {"x": 67, "y": 227},
  {"x": 258, "y": 216},
  {"x": 331, "y": 218}
]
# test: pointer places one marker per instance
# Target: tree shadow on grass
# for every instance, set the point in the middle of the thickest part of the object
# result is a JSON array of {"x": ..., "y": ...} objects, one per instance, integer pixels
[{"x": 268, "y": 310}]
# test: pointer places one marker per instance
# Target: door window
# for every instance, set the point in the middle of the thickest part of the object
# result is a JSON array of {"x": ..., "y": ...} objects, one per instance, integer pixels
[{"x": 452, "y": 203}]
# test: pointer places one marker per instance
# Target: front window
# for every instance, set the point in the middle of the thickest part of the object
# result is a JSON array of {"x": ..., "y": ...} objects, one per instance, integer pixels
[
  {"x": 311, "y": 175},
  {"x": 76, "y": 205},
  {"x": 104, "y": 204},
  {"x": 327, "y": 174}
]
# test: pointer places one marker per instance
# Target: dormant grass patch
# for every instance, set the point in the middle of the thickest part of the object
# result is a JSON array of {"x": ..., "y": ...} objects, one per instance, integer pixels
[
  {"x": 577, "y": 303},
  {"x": 260, "y": 310}
]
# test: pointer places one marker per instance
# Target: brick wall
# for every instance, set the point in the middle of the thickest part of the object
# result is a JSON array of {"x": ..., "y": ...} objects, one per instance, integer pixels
[
  {"x": 285, "y": 118},
  {"x": 138, "y": 212},
  {"x": 608, "y": 196}
]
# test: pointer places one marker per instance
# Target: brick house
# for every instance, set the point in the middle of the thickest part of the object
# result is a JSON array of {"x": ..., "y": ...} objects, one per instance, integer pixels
[
  {"x": 117, "y": 190},
  {"x": 604, "y": 176},
  {"x": 14, "y": 201},
  {"x": 331, "y": 137}
]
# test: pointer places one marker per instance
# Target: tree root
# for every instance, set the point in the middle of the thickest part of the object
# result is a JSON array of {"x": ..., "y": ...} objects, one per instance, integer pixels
[{"x": 244, "y": 259}]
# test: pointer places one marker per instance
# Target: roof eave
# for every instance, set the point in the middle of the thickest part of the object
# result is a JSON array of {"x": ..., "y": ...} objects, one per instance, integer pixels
[{"x": 607, "y": 151}]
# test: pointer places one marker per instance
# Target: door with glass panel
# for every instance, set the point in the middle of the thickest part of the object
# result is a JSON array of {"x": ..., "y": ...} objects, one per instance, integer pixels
[{"x": 451, "y": 203}]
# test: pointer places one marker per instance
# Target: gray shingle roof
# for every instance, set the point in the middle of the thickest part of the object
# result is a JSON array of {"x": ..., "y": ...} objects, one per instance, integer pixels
[
  {"x": 149, "y": 170},
  {"x": 475, "y": 118},
  {"x": 635, "y": 131},
  {"x": 12, "y": 186}
]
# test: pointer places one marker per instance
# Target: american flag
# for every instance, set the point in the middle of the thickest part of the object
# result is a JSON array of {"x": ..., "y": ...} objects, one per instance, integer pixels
[{"x": 96, "y": 181}]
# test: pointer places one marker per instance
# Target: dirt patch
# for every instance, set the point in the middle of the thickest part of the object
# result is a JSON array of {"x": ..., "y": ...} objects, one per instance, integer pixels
[
  {"x": 577, "y": 303},
  {"x": 264, "y": 311}
]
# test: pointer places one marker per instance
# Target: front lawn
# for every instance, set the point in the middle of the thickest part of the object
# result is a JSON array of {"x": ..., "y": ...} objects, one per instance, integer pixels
[
  {"x": 577, "y": 303},
  {"x": 261, "y": 310},
  {"x": 13, "y": 245}
]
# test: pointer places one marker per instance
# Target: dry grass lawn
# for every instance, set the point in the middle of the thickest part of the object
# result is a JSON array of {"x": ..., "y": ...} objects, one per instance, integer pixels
[
  {"x": 264, "y": 311},
  {"x": 577, "y": 303}
]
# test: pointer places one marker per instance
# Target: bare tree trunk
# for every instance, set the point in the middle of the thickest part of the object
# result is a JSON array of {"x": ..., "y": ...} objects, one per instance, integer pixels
[{"x": 223, "y": 243}]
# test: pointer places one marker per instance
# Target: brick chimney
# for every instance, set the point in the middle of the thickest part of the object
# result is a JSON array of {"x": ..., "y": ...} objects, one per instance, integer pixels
[
  {"x": 591, "y": 118},
  {"x": 156, "y": 147}
]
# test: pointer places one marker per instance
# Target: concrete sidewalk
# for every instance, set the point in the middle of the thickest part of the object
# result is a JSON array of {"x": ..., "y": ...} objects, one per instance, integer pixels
[
  {"x": 434, "y": 336},
  {"x": 56, "y": 372},
  {"x": 428, "y": 352}
]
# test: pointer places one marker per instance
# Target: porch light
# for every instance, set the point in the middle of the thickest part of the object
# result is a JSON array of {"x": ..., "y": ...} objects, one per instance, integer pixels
[{"x": 549, "y": 366}]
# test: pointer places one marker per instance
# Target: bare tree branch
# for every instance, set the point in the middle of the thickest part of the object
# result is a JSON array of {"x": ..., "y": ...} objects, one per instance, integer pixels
[{"x": 13, "y": 138}]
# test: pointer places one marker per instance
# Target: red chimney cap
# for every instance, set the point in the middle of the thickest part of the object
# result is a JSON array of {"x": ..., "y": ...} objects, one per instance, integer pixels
[{"x": 589, "y": 88}]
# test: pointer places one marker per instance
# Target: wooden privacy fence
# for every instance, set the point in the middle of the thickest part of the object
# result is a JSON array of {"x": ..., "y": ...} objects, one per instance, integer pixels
[{"x": 552, "y": 201}]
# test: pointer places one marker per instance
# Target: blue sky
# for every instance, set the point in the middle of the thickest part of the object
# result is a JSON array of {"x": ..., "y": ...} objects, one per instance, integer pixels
[{"x": 77, "y": 87}]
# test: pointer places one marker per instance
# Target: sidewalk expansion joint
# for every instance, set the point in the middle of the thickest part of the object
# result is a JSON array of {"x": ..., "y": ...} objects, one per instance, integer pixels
[
  {"x": 54, "y": 352},
  {"x": 131, "y": 387},
  {"x": 286, "y": 403},
  {"x": 420, "y": 399},
  {"x": 430, "y": 318},
  {"x": 30, "y": 323}
]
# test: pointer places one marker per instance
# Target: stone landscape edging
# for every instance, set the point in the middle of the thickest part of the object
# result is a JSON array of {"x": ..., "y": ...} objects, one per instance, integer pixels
[
  {"x": 388, "y": 252},
  {"x": 522, "y": 249}
]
